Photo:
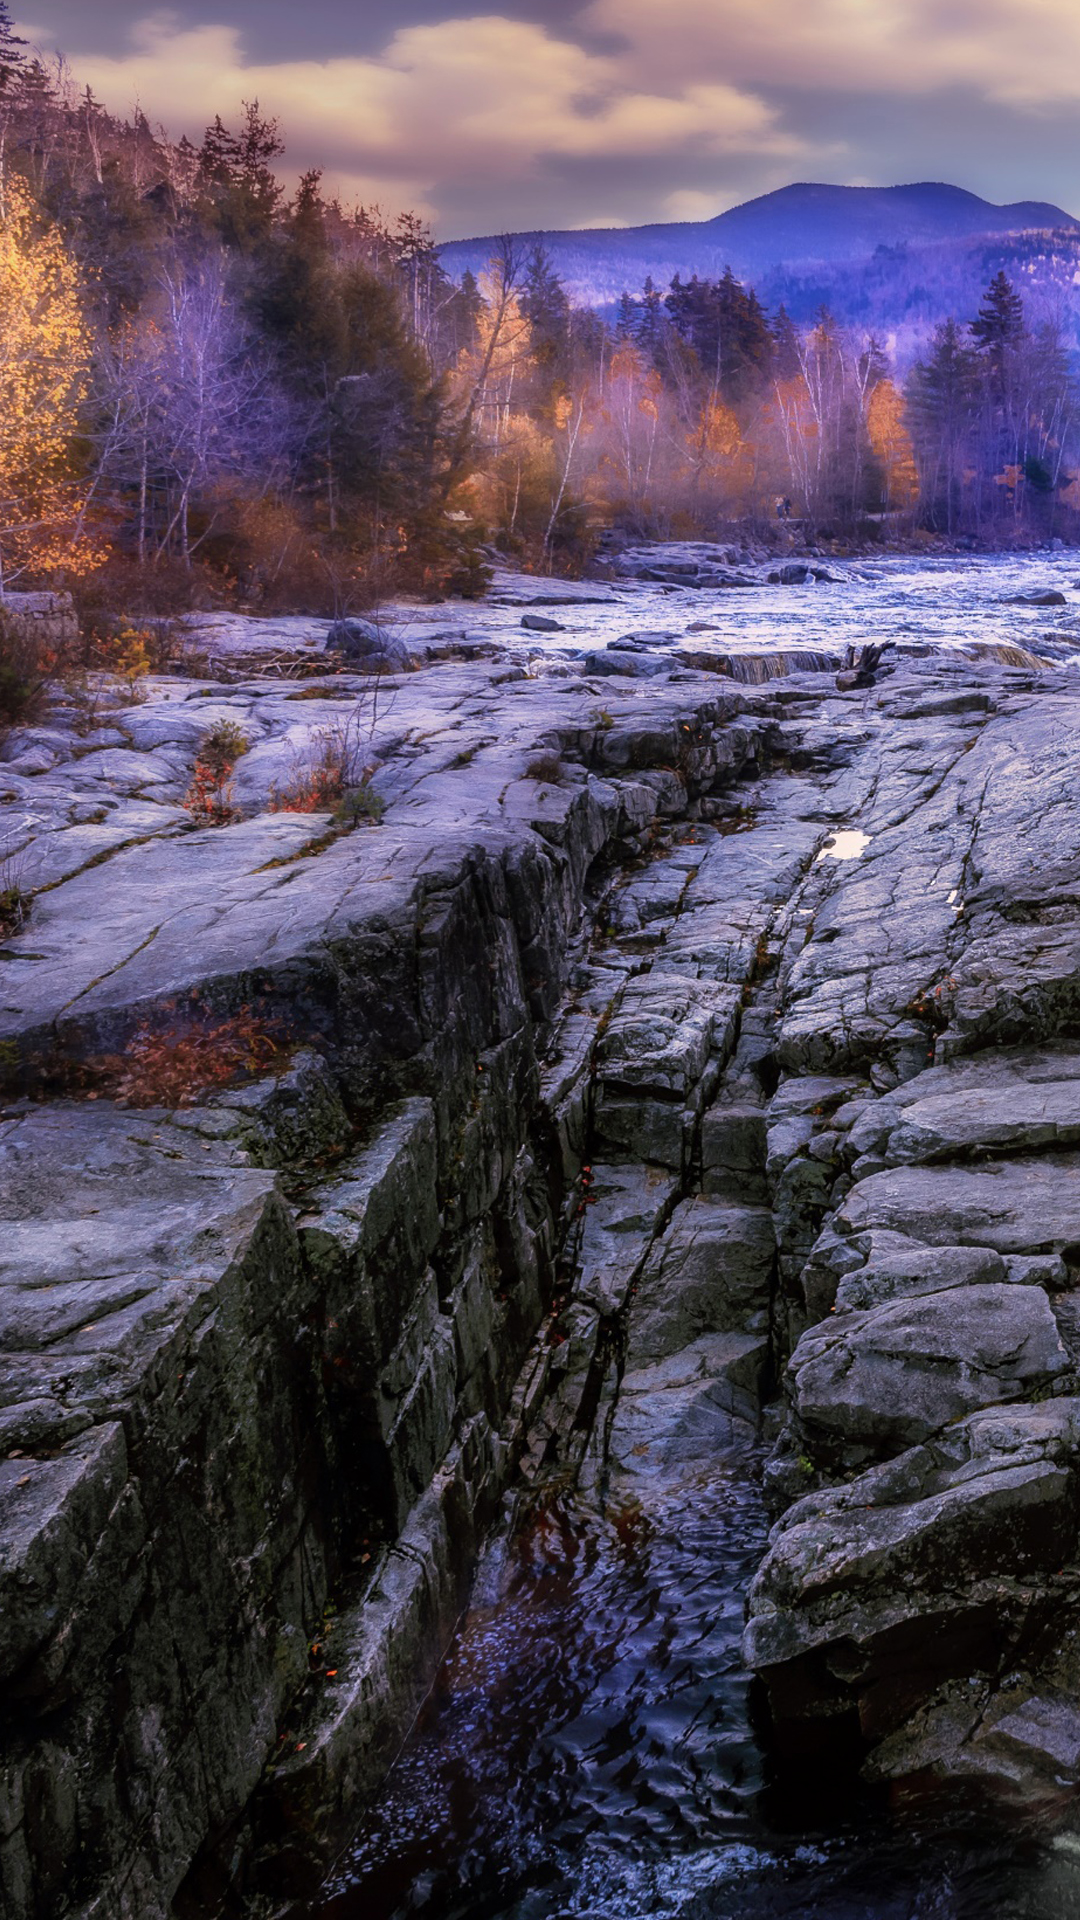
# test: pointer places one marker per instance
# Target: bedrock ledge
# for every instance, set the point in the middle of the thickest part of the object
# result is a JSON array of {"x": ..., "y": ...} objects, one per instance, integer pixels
[{"x": 259, "y": 1356}]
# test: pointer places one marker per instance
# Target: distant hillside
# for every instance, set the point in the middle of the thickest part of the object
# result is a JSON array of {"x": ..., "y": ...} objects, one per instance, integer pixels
[{"x": 895, "y": 259}]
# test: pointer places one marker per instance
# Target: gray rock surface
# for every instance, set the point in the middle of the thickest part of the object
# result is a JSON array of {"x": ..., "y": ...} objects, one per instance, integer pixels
[{"x": 657, "y": 1037}]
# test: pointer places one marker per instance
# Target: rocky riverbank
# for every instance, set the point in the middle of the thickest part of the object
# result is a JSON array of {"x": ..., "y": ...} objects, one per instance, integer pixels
[{"x": 654, "y": 1049}]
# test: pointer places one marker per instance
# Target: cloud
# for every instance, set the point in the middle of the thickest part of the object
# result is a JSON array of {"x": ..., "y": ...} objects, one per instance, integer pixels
[
  {"x": 1018, "y": 52},
  {"x": 471, "y": 98},
  {"x": 664, "y": 112}
]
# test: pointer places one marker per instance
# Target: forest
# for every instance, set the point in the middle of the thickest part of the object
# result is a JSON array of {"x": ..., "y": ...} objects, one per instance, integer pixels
[{"x": 214, "y": 390}]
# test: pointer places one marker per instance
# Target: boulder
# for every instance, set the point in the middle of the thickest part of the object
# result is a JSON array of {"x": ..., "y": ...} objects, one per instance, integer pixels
[
  {"x": 541, "y": 623},
  {"x": 623, "y": 660},
  {"x": 366, "y": 642},
  {"x": 891, "y": 1376},
  {"x": 711, "y": 1269},
  {"x": 874, "y": 1593}
]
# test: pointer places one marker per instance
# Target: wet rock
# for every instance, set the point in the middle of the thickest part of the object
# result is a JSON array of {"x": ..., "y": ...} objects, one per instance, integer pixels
[
  {"x": 624, "y": 660},
  {"x": 686, "y": 1409},
  {"x": 541, "y": 623},
  {"x": 1046, "y": 597},
  {"x": 710, "y": 1270},
  {"x": 733, "y": 1144},
  {"x": 873, "y": 1593},
  {"x": 898, "y": 1268},
  {"x": 1012, "y": 1206}
]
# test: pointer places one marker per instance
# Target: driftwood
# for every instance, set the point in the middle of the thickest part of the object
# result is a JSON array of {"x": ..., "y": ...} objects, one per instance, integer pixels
[{"x": 862, "y": 668}]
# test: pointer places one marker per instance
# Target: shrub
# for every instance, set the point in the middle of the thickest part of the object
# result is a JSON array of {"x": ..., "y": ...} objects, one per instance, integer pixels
[
  {"x": 545, "y": 767},
  {"x": 223, "y": 746},
  {"x": 362, "y": 803},
  {"x": 209, "y": 798},
  {"x": 14, "y": 899},
  {"x": 332, "y": 778},
  {"x": 26, "y": 666}
]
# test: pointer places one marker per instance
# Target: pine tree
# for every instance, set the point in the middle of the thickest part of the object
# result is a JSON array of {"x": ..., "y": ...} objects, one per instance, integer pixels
[
  {"x": 546, "y": 307},
  {"x": 787, "y": 364},
  {"x": 651, "y": 325},
  {"x": 237, "y": 178},
  {"x": 12, "y": 57},
  {"x": 626, "y": 317},
  {"x": 998, "y": 328},
  {"x": 941, "y": 403}
]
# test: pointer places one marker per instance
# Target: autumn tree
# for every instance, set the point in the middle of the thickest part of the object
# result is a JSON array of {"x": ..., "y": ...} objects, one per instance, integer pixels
[
  {"x": 45, "y": 355},
  {"x": 891, "y": 446}
]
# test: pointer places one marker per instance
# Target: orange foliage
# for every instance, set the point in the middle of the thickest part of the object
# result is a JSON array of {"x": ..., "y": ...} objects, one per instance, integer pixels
[
  {"x": 209, "y": 798},
  {"x": 45, "y": 352},
  {"x": 175, "y": 1065},
  {"x": 890, "y": 441}
]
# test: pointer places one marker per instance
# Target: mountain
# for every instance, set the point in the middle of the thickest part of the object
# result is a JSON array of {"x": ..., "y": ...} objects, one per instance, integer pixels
[{"x": 892, "y": 258}]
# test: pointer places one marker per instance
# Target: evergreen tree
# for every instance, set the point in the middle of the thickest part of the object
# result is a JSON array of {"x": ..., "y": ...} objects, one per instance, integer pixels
[
  {"x": 546, "y": 307},
  {"x": 651, "y": 324},
  {"x": 12, "y": 57},
  {"x": 786, "y": 363},
  {"x": 942, "y": 401},
  {"x": 236, "y": 177},
  {"x": 626, "y": 317},
  {"x": 997, "y": 329}
]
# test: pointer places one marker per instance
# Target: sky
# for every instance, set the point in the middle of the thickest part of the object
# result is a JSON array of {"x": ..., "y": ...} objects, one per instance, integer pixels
[{"x": 577, "y": 113}]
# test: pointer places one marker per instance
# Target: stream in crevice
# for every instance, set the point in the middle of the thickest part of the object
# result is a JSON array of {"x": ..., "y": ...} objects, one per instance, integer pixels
[{"x": 590, "y": 1750}]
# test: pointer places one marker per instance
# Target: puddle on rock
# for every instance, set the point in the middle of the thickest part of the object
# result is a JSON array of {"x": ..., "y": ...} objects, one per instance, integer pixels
[{"x": 846, "y": 844}]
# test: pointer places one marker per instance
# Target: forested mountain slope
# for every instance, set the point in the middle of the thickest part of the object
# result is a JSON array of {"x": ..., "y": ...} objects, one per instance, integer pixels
[{"x": 894, "y": 259}]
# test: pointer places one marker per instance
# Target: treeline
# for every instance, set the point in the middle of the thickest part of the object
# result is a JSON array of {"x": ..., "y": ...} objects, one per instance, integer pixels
[
  {"x": 209, "y": 387},
  {"x": 698, "y": 408},
  {"x": 212, "y": 388}
]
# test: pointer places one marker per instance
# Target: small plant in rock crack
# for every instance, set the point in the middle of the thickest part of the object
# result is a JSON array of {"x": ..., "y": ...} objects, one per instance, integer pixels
[
  {"x": 361, "y": 804},
  {"x": 14, "y": 897},
  {"x": 176, "y": 1065},
  {"x": 209, "y": 798},
  {"x": 547, "y": 768},
  {"x": 331, "y": 777}
]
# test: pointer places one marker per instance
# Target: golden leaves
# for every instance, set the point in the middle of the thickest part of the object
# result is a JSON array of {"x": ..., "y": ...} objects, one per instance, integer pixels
[{"x": 45, "y": 349}]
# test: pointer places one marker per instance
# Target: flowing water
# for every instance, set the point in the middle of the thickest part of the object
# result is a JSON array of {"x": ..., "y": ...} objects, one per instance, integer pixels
[
  {"x": 591, "y": 1750},
  {"x": 916, "y": 603}
]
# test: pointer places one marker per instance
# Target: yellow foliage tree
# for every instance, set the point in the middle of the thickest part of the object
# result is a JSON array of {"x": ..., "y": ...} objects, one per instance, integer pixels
[
  {"x": 719, "y": 452},
  {"x": 891, "y": 445},
  {"x": 45, "y": 349}
]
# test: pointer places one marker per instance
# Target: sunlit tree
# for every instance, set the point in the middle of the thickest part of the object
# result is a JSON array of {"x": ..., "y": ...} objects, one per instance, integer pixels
[
  {"x": 45, "y": 352},
  {"x": 890, "y": 444}
]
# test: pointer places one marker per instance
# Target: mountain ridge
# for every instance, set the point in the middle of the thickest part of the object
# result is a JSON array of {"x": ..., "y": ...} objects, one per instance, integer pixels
[{"x": 917, "y": 251}]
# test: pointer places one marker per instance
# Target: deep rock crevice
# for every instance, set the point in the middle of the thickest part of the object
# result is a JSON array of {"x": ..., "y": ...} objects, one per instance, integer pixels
[{"x": 620, "y": 1101}]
